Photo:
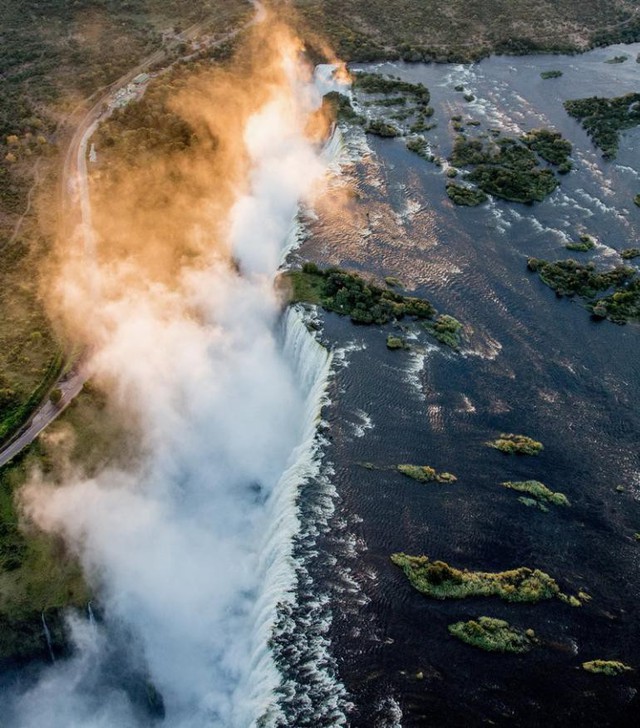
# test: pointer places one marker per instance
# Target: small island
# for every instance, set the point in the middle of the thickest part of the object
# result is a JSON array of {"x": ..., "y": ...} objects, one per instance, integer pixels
[
  {"x": 513, "y": 444},
  {"x": 509, "y": 168},
  {"x": 550, "y": 74},
  {"x": 537, "y": 491},
  {"x": 446, "y": 329},
  {"x": 348, "y": 294},
  {"x": 603, "y": 119},
  {"x": 425, "y": 474},
  {"x": 606, "y": 667},
  {"x": 586, "y": 243},
  {"x": 438, "y": 580},
  {"x": 494, "y": 635},
  {"x": 620, "y": 286}
]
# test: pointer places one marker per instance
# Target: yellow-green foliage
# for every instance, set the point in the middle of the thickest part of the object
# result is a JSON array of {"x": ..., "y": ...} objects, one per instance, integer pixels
[
  {"x": 516, "y": 444},
  {"x": 425, "y": 474},
  {"x": 493, "y": 635},
  {"x": 37, "y": 573},
  {"x": 538, "y": 490},
  {"x": 395, "y": 342},
  {"x": 438, "y": 580},
  {"x": 606, "y": 667}
]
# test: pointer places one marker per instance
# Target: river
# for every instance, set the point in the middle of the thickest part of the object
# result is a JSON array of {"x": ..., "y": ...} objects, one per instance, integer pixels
[{"x": 531, "y": 363}]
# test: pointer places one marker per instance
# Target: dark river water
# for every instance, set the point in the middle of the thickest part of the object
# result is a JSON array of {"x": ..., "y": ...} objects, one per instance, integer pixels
[{"x": 532, "y": 364}]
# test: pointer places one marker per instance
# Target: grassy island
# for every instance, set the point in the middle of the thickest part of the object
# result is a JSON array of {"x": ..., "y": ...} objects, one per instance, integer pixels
[
  {"x": 348, "y": 294},
  {"x": 508, "y": 168},
  {"x": 446, "y": 329},
  {"x": 466, "y": 196},
  {"x": 630, "y": 253},
  {"x": 550, "y": 74},
  {"x": 538, "y": 491},
  {"x": 396, "y": 342},
  {"x": 636, "y": 200},
  {"x": 493, "y": 635},
  {"x": 606, "y": 667},
  {"x": 512, "y": 444},
  {"x": 425, "y": 474},
  {"x": 438, "y": 580},
  {"x": 604, "y": 119},
  {"x": 617, "y": 59},
  {"x": 621, "y": 286}
]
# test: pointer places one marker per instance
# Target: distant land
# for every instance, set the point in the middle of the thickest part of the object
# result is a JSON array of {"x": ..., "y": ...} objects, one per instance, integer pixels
[{"x": 466, "y": 30}]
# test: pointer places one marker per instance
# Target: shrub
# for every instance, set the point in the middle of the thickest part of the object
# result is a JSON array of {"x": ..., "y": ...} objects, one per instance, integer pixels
[
  {"x": 516, "y": 444},
  {"x": 493, "y": 635}
]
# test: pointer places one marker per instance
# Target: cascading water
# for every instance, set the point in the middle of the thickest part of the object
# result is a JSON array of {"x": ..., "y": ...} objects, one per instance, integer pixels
[{"x": 47, "y": 636}]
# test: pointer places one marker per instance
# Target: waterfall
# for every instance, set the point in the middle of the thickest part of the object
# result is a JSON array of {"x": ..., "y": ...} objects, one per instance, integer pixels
[
  {"x": 90, "y": 615},
  {"x": 311, "y": 364},
  {"x": 47, "y": 636}
]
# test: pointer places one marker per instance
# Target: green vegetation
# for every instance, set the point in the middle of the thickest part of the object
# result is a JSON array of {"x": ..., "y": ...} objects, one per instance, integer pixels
[
  {"x": 467, "y": 196},
  {"x": 396, "y": 342},
  {"x": 551, "y": 146},
  {"x": 425, "y": 474},
  {"x": 636, "y": 200},
  {"x": 370, "y": 30},
  {"x": 516, "y": 444},
  {"x": 604, "y": 119},
  {"x": 381, "y": 128},
  {"x": 617, "y": 59},
  {"x": 37, "y": 573},
  {"x": 606, "y": 667},
  {"x": 538, "y": 490},
  {"x": 508, "y": 168},
  {"x": 350, "y": 295},
  {"x": 533, "y": 503},
  {"x": 493, "y": 635},
  {"x": 438, "y": 580},
  {"x": 630, "y": 253},
  {"x": 55, "y": 57},
  {"x": 550, "y": 74},
  {"x": 446, "y": 329},
  {"x": 374, "y": 83},
  {"x": 388, "y": 92},
  {"x": 418, "y": 145},
  {"x": 341, "y": 107},
  {"x": 586, "y": 243},
  {"x": 570, "y": 278}
]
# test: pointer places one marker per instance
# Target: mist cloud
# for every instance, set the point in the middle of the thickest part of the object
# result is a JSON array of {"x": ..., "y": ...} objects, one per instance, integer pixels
[{"x": 178, "y": 545}]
